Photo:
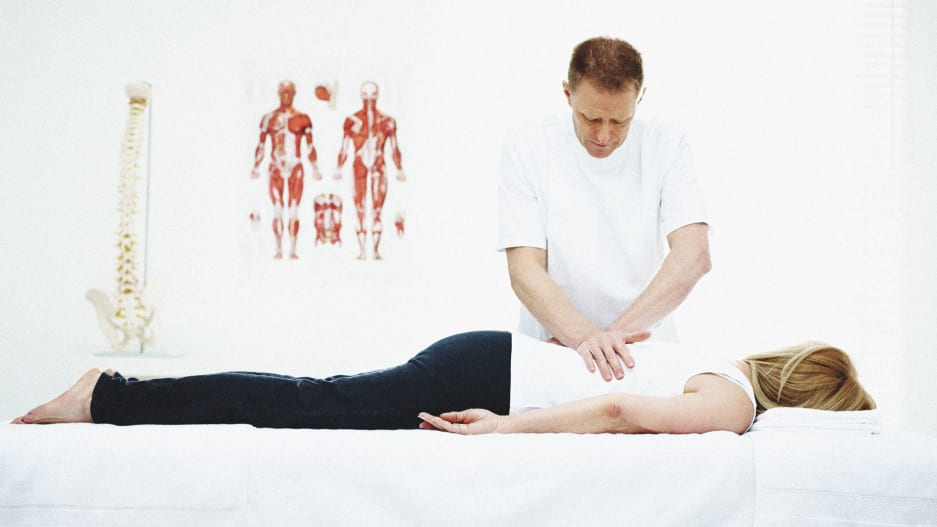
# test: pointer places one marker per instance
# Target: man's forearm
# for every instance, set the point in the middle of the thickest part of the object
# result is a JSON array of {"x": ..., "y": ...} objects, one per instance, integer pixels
[
  {"x": 545, "y": 299},
  {"x": 670, "y": 287},
  {"x": 687, "y": 262}
]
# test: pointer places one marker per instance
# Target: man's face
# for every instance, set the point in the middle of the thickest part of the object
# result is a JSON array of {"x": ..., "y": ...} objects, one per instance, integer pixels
[{"x": 601, "y": 118}]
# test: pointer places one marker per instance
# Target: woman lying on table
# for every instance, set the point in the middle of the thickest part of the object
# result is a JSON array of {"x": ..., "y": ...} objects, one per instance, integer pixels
[{"x": 504, "y": 382}]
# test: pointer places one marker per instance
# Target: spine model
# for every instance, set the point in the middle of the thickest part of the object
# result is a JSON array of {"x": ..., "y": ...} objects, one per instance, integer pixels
[{"x": 125, "y": 316}]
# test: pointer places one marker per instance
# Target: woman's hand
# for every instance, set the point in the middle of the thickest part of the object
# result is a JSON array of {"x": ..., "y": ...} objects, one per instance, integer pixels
[{"x": 467, "y": 422}]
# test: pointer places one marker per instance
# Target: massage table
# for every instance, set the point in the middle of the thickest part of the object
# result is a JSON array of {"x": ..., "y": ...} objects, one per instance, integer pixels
[{"x": 793, "y": 468}]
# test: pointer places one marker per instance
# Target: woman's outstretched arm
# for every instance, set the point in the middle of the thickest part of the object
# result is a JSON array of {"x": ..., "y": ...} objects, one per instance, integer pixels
[{"x": 709, "y": 403}]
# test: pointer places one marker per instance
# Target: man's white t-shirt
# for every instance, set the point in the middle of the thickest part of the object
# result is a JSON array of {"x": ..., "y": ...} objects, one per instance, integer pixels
[{"x": 603, "y": 222}]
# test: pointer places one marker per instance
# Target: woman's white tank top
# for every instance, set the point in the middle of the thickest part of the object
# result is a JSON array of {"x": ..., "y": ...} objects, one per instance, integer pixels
[{"x": 544, "y": 374}]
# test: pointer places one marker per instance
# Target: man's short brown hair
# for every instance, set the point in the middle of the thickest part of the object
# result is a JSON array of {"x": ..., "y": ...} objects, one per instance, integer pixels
[{"x": 609, "y": 63}]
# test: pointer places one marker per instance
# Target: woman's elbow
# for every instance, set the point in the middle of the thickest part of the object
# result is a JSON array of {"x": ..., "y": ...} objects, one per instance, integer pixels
[{"x": 618, "y": 420}]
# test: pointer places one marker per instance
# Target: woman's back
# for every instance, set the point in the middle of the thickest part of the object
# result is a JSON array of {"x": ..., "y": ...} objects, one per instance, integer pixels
[{"x": 544, "y": 374}]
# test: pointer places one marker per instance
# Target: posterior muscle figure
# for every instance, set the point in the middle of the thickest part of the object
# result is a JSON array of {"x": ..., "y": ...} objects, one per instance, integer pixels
[
  {"x": 286, "y": 127},
  {"x": 370, "y": 131}
]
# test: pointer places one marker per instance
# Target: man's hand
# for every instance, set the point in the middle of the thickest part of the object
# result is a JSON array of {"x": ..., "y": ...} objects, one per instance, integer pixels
[
  {"x": 467, "y": 422},
  {"x": 607, "y": 350}
]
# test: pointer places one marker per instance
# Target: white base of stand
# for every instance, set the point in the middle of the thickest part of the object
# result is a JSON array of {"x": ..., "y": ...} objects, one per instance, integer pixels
[{"x": 139, "y": 354}]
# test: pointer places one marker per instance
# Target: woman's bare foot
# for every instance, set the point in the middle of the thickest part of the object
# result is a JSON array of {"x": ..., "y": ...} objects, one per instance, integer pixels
[{"x": 73, "y": 406}]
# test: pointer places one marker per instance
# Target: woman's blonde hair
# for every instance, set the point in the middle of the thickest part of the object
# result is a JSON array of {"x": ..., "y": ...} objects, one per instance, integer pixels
[{"x": 809, "y": 375}]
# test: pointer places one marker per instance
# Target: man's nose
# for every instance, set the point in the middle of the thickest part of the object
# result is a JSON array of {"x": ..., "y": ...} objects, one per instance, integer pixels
[{"x": 604, "y": 133}]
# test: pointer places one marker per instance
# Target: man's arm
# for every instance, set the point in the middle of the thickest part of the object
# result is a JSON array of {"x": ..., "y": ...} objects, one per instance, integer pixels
[
  {"x": 687, "y": 262},
  {"x": 527, "y": 268},
  {"x": 549, "y": 305},
  {"x": 680, "y": 271},
  {"x": 710, "y": 403}
]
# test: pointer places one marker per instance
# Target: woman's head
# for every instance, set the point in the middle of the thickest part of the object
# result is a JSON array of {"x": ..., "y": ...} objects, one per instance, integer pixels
[{"x": 809, "y": 375}]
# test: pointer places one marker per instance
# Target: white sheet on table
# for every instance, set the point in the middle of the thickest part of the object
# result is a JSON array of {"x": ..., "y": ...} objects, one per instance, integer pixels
[
  {"x": 238, "y": 475},
  {"x": 834, "y": 477}
]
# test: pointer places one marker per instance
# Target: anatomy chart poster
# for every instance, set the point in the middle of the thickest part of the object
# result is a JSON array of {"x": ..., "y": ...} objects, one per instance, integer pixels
[{"x": 324, "y": 187}]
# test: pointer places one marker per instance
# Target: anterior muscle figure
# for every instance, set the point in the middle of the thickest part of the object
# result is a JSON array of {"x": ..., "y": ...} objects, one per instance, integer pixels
[{"x": 286, "y": 127}]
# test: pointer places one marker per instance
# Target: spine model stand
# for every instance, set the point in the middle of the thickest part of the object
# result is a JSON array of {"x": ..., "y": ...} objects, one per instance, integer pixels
[{"x": 125, "y": 316}]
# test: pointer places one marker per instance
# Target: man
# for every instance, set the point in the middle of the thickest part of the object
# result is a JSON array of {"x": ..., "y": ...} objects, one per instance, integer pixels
[
  {"x": 286, "y": 127},
  {"x": 369, "y": 131},
  {"x": 585, "y": 202}
]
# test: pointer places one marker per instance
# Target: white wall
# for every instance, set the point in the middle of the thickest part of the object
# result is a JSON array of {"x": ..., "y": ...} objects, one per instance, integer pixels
[
  {"x": 743, "y": 79},
  {"x": 921, "y": 295}
]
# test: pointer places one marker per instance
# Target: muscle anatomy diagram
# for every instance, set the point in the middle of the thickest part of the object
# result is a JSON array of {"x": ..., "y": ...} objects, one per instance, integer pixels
[
  {"x": 368, "y": 136},
  {"x": 287, "y": 129}
]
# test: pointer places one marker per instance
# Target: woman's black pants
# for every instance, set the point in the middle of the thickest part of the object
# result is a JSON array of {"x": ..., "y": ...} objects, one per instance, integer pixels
[{"x": 468, "y": 370}]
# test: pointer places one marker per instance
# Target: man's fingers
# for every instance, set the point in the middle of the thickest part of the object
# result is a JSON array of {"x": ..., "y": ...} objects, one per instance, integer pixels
[
  {"x": 611, "y": 357},
  {"x": 607, "y": 351},
  {"x": 602, "y": 362},
  {"x": 588, "y": 360},
  {"x": 622, "y": 350},
  {"x": 638, "y": 337},
  {"x": 595, "y": 357}
]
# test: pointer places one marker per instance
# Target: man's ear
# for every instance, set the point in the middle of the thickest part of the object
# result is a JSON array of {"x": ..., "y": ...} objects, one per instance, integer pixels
[
  {"x": 567, "y": 92},
  {"x": 641, "y": 95}
]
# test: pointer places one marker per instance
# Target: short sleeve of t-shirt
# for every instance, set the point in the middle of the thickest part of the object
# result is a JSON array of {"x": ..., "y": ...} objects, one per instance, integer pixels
[
  {"x": 520, "y": 223},
  {"x": 681, "y": 197}
]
